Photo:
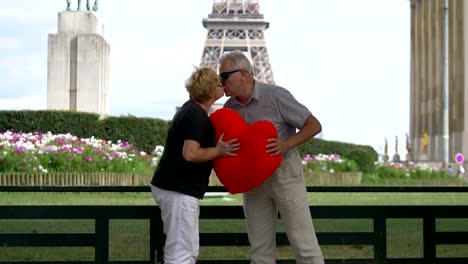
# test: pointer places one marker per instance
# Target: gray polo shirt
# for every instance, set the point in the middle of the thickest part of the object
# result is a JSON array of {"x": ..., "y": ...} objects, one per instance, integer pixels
[{"x": 275, "y": 104}]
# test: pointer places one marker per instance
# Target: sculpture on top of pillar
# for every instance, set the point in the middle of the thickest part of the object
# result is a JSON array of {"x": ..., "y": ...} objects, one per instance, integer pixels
[
  {"x": 409, "y": 150},
  {"x": 88, "y": 7},
  {"x": 425, "y": 142},
  {"x": 396, "y": 156},
  {"x": 385, "y": 155}
]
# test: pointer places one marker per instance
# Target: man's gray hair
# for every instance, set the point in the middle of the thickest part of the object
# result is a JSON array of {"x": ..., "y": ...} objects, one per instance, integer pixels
[{"x": 238, "y": 58}]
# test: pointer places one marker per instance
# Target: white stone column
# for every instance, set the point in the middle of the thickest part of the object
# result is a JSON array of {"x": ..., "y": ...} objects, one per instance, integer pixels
[{"x": 78, "y": 65}]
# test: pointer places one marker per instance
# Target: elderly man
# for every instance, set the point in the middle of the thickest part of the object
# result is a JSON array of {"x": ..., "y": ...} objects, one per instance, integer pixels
[{"x": 284, "y": 191}]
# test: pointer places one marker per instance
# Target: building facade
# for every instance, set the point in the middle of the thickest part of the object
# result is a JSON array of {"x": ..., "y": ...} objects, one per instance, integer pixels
[{"x": 427, "y": 96}]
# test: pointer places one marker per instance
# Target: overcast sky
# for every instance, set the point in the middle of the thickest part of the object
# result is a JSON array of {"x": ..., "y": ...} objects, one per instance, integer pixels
[{"x": 347, "y": 60}]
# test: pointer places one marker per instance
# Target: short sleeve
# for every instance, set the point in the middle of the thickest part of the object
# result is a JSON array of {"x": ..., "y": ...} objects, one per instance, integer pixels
[
  {"x": 197, "y": 127},
  {"x": 291, "y": 110}
]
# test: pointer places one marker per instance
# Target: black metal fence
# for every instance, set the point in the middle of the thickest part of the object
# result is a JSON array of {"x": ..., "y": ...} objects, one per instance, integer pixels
[{"x": 99, "y": 239}]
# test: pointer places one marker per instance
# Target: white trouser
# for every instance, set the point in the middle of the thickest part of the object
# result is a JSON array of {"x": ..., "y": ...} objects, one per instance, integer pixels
[{"x": 180, "y": 214}]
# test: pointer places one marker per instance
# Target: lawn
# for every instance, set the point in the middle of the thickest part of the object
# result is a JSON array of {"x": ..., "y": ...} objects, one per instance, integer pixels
[{"x": 129, "y": 238}]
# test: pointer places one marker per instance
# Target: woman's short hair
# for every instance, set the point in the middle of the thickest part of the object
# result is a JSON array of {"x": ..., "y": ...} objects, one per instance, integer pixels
[
  {"x": 238, "y": 58},
  {"x": 202, "y": 83}
]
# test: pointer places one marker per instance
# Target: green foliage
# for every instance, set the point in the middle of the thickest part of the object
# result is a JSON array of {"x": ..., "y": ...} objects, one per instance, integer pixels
[
  {"x": 10, "y": 162},
  {"x": 345, "y": 166},
  {"x": 317, "y": 146},
  {"x": 49, "y": 153},
  {"x": 77, "y": 123},
  {"x": 387, "y": 172},
  {"x": 329, "y": 163},
  {"x": 143, "y": 133},
  {"x": 363, "y": 158},
  {"x": 402, "y": 172},
  {"x": 372, "y": 178},
  {"x": 375, "y": 173}
]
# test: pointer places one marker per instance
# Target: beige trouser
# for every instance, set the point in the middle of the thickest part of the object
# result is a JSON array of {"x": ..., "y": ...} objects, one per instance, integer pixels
[{"x": 284, "y": 192}]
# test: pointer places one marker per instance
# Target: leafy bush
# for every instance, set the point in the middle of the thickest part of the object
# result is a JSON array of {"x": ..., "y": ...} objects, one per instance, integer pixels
[
  {"x": 55, "y": 121},
  {"x": 406, "y": 171},
  {"x": 381, "y": 171},
  {"x": 317, "y": 146},
  {"x": 364, "y": 159},
  {"x": 387, "y": 172},
  {"x": 142, "y": 133}
]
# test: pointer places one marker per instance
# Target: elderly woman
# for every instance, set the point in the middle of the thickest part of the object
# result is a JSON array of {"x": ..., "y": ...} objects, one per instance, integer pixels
[{"x": 181, "y": 177}]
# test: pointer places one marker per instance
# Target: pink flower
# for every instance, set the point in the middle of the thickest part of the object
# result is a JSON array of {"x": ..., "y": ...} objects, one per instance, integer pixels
[
  {"x": 124, "y": 145},
  {"x": 20, "y": 149},
  {"x": 60, "y": 140},
  {"x": 50, "y": 149},
  {"x": 78, "y": 150}
]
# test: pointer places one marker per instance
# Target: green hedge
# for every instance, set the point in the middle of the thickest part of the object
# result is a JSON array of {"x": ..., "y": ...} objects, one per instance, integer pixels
[
  {"x": 76, "y": 123},
  {"x": 146, "y": 133},
  {"x": 362, "y": 154},
  {"x": 143, "y": 133}
]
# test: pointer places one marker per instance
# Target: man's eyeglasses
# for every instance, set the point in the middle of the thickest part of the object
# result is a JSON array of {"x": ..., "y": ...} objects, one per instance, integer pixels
[{"x": 225, "y": 75}]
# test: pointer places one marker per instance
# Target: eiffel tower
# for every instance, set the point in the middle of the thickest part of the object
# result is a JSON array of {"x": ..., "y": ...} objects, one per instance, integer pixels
[{"x": 237, "y": 25}]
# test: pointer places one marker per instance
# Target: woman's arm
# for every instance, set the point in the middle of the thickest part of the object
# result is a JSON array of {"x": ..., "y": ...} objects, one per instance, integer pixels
[{"x": 194, "y": 153}]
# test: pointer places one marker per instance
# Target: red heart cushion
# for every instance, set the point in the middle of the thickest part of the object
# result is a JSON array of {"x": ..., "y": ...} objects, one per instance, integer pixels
[{"x": 252, "y": 165}]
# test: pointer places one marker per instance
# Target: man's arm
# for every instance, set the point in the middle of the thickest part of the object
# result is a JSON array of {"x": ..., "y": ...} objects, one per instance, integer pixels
[{"x": 310, "y": 129}]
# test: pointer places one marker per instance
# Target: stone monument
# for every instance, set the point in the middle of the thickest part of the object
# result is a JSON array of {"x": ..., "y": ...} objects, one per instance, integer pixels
[
  {"x": 396, "y": 156},
  {"x": 425, "y": 144},
  {"x": 409, "y": 150},
  {"x": 88, "y": 7},
  {"x": 385, "y": 155},
  {"x": 78, "y": 64}
]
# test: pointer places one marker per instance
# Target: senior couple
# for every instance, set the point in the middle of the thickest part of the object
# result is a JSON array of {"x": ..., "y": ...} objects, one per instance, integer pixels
[{"x": 181, "y": 177}]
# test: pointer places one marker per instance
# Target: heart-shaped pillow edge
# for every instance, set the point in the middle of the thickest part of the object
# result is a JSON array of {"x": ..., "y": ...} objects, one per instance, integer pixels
[{"x": 224, "y": 166}]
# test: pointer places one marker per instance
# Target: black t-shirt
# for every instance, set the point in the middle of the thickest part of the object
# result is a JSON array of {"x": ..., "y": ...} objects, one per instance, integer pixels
[{"x": 173, "y": 172}]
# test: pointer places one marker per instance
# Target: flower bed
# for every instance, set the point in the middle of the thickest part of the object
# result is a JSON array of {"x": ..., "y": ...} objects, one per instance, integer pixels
[
  {"x": 44, "y": 156},
  {"x": 47, "y": 153},
  {"x": 330, "y": 170},
  {"x": 411, "y": 173},
  {"x": 335, "y": 170}
]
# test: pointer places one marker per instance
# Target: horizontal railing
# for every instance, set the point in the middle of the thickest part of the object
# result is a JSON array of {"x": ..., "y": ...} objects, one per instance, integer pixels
[
  {"x": 358, "y": 189},
  {"x": 137, "y": 179},
  {"x": 99, "y": 239}
]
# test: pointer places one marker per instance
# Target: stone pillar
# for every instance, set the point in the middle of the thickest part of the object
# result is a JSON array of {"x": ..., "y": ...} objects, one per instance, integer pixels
[
  {"x": 427, "y": 82},
  {"x": 461, "y": 140},
  {"x": 78, "y": 65}
]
